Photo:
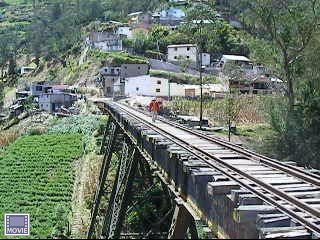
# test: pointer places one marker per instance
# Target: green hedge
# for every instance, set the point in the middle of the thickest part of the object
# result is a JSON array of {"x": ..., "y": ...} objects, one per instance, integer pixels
[{"x": 118, "y": 58}]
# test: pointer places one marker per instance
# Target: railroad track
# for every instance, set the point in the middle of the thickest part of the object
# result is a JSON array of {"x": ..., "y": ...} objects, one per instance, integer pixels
[
  {"x": 225, "y": 162},
  {"x": 293, "y": 170}
]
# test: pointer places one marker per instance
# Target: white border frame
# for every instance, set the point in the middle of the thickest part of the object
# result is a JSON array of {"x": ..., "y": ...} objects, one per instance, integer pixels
[{"x": 16, "y": 214}]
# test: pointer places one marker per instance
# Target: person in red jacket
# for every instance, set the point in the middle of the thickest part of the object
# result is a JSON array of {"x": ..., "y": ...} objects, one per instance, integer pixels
[{"x": 154, "y": 107}]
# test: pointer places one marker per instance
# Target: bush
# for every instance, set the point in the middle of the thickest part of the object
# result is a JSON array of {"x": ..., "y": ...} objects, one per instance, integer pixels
[
  {"x": 118, "y": 58},
  {"x": 297, "y": 135},
  {"x": 35, "y": 131}
]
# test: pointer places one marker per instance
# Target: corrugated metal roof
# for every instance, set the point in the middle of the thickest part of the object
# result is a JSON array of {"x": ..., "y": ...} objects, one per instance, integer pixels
[
  {"x": 181, "y": 45},
  {"x": 236, "y": 58}
]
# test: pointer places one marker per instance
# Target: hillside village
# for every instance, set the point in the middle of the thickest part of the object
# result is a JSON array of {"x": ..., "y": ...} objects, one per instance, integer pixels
[
  {"x": 167, "y": 99},
  {"x": 148, "y": 75}
]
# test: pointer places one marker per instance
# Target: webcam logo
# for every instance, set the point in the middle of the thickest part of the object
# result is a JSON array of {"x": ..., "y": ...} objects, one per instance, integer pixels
[{"x": 17, "y": 224}]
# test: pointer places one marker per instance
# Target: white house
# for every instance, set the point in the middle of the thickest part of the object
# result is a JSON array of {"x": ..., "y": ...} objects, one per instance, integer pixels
[
  {"x": 52, "y": 102},
  {"x": 153, "y": 87},
  {"x": 26, "y": 70},
  {"x": 185, "y": 51},
  {"x": 105, "y": 41},
  {"x": 173, "y": 13},
  {"x": 159, "y": 87},
  {"x": 125, "y": 31},
  {"x": 238, "y": 60},
  {"x": 206, "y": 59},
  {"x": 146, "y": 86},
  {"x": 176, "y": 90}
]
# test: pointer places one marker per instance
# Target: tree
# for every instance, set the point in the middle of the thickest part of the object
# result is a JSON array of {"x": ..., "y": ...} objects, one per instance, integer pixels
[
  {"x": 210, "y": 33},
  {"x": 201, "y": 24},
  {"x": 159, "y": 34},
  {"x": 290, "y": 26},
  {"x": 234, "y": 74}
]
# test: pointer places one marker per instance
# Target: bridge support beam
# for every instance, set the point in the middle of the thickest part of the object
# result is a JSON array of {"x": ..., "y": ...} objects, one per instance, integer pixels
[
  {"x": 111, "y": 129},
  {"x": 130, "y": 181},
  {"x": 121, "y": 193},
  {"x": 182, "y": 221}
]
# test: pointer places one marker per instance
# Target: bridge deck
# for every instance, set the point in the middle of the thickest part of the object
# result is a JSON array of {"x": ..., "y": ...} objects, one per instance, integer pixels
[{"x": 238, "y": 193}]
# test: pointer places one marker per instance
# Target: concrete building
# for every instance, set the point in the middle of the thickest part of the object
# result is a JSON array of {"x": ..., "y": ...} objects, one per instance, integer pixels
[
  {"x": 111, "y": 76},
  {"x": 38, "y": 88},
  {"x": 169, "y": 17},
  {"x": 114, "y": 77},
  {"x": 184, "y": 51},
  {"x": 26, "y": 70},
  {"x": 133, "y": 70},
  {"x": 146, "y": 86},
  {"x": 106, "y": 41},
  {"x": 160, "y": 87},
  {"x": 206, "y": 59},
  {"x": 52, "y": 102},
  {"x": 140, "y": 18},
  {"x": 125, "y": 31}
]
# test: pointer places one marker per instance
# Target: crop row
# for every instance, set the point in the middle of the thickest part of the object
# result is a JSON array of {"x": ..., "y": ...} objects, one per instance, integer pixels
[{"x": 37, "y": 175}]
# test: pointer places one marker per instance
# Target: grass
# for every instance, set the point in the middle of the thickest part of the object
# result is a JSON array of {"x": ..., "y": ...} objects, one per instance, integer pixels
[
  {"x": 36, "y": 177},
  {"x": 250, "y": 109},
  {"x": 8, "y": 136},
  {"x": 182, "y": 78},
  {"x": 117, "y": 58}
]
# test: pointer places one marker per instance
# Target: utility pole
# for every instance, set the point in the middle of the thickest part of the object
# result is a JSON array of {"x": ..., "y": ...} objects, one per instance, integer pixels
[
  {"x": 229, "y": 112},
  {"x": 169, "y": 87},
  {"x": 201, "y": 80},
  {"x": 201, "y": 92}
]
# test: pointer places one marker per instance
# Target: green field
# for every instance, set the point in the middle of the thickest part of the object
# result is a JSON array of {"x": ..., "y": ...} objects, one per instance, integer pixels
[{"x": 37, "y": 177}]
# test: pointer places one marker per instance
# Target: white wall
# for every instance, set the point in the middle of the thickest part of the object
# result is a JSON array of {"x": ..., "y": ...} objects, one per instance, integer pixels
[
  {"x": 177, "y": 90},
  {"x": 125, "y": 31},
  {"x": 146, "y": 86},
  {"x": 205, "y": 59},
  {"x": 175, "y": 52},
  {"x": 106, "y": 47}
]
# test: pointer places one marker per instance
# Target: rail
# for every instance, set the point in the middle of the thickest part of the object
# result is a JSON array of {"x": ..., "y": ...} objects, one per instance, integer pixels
[{"x": 299, "y": 211}]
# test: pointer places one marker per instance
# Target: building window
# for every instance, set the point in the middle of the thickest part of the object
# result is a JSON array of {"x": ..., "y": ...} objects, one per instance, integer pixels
[
  {"x": 158, "y": 90},
  {"x": 188, "y": 49},
  {"x": 139, "y": 68},
  {"x": 137, "y": 89},
  {"x": 38, "y": 88},
  {"x": 176, "y": 49},
  {"x": 159, "y": 82},
  {"x": 175, "y": 57},
  {"x": 41, "y": 105},
  {"x": 125, "y": 67},
  {"x": 188, "y": 57}
]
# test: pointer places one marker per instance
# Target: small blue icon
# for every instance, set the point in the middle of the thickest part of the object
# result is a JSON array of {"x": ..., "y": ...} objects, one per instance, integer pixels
[{"x": 17, "y": 224}]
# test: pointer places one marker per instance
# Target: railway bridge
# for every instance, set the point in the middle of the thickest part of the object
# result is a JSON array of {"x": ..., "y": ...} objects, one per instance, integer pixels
[{"x": 215, "y": 189}]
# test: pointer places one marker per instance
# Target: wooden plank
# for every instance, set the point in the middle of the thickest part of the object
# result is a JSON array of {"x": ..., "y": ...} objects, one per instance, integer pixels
[
  {"x": 282, "y": 221},
  {"x": 220, "y": 188},
  {"x": 249, "y": 213},
  {"x": 228, "y": 156}
]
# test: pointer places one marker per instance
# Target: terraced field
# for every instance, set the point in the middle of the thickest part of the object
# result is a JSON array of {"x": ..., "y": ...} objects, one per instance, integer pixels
[{"x": 37, "y": 177}]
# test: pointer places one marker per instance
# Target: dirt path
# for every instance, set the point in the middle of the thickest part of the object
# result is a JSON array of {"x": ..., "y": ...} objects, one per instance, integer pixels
[
  {"x": 87, "y": 173},
  {"x": 80, "y": 214}
]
